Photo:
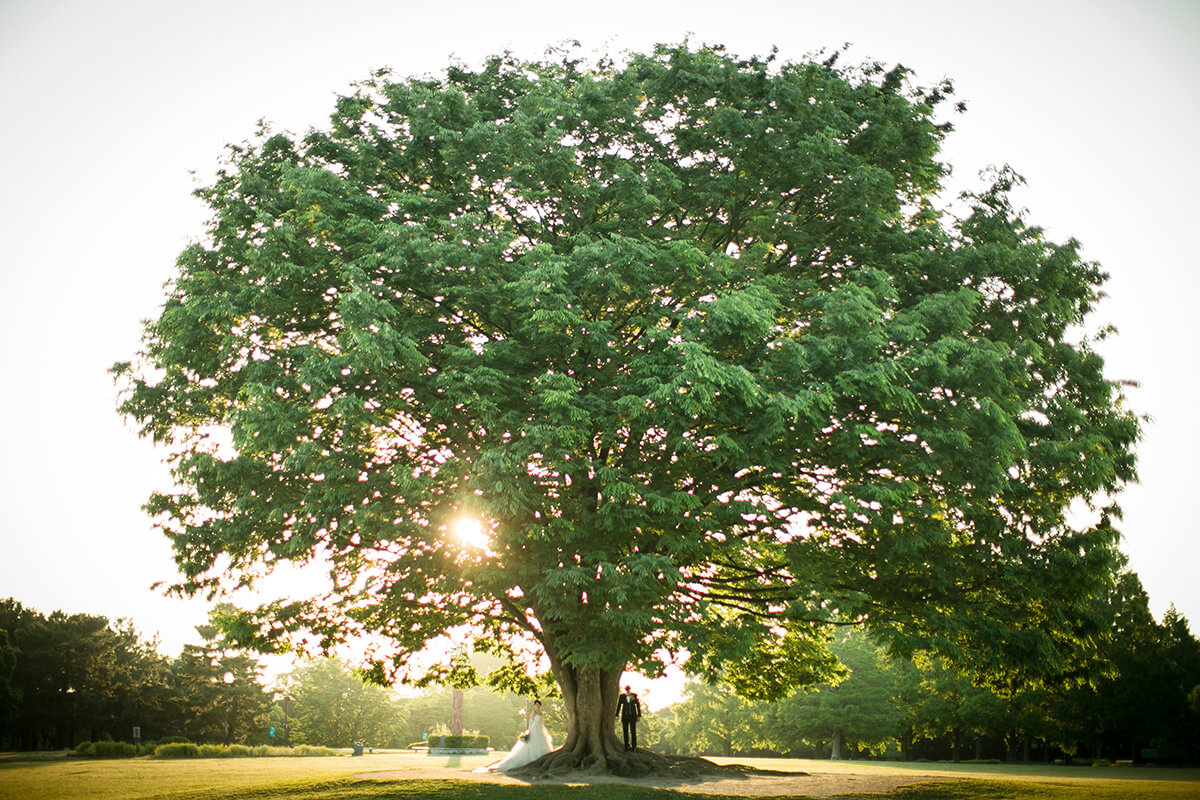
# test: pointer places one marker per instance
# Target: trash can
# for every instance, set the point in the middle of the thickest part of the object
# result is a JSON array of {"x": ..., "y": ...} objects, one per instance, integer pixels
[{"x": 358, "y": 748}]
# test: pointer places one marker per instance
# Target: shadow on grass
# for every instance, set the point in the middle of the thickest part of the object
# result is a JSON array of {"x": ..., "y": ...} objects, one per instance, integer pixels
[
  {"x": 473, "y": 790},
  {"x": 14, "y": 757}
]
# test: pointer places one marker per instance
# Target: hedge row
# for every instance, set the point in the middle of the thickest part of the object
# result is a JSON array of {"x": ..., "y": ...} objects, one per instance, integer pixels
[
  {"x": 107, "y": 750},
  {"x": 186, "y": 749},
  {"x": 238, "y": 751}
]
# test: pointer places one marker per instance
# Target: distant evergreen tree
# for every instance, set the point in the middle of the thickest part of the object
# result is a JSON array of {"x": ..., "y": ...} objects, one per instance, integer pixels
[{"x": 218, "y": 691}]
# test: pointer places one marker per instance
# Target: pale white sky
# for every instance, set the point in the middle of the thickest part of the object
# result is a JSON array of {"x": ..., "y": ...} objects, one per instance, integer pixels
[{"x": 106, "y": 107}]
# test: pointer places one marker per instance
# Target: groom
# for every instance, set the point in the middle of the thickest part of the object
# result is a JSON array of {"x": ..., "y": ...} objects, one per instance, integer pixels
[{"x": 630, "y": 711}]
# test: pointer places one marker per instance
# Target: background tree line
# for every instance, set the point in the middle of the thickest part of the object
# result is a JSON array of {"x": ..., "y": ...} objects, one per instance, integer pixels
[
  {"x": 69, "y": 678},
  {"x": 1131, "y": 693}
]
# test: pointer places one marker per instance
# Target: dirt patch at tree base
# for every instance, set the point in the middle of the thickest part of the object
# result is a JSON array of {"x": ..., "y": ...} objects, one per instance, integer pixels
[{"x": 751, "y": 783}]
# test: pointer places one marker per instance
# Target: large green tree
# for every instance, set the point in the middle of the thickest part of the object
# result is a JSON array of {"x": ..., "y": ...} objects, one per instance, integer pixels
[
  {"x": 73, "y": 677},
  {"x": 10, "y": 696},
  {"x": 715, "y": 720},
  {"x": 689, "y": 335},
  {"x": 332, "y": 706},
  {"x": 218, "y": 690},
  {"x": 859, "y": 709}
]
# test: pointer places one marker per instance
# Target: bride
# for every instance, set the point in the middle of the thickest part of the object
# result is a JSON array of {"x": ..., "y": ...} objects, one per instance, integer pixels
[{"x": 532, "y": 745}]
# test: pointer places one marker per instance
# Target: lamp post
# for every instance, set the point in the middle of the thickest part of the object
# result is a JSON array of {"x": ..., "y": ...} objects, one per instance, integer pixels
[{"x": 228, "y": 700}]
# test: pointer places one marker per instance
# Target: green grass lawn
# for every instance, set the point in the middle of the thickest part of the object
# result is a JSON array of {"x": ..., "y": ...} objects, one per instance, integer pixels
[
  {"x": 1034, "y": 781},
  {"x": 63, "y": 778}
]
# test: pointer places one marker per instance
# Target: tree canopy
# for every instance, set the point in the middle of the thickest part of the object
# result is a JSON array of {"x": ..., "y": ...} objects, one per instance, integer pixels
[{"x": 690, "y": 336}]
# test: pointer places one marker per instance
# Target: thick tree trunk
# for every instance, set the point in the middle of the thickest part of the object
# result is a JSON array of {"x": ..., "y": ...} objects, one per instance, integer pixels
[
  {"x": 456, "y": 712},
  {"x": 593, "y": 744},
  {"x": 590, "y": 700}
]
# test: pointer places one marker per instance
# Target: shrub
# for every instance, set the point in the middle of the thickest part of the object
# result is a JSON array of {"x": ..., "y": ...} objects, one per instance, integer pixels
[
  {"x": 309, "y": 750},
  {"x": 83, "y": 748},
  {"x": 112, "y": 750},
  {"x": 189, "y": 750},
  {"x": 177, "y": 750},
  {"x": 267, "y": 750}
]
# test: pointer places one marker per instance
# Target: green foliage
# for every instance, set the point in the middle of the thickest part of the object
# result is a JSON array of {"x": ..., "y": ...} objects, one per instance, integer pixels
[
  {"x": 332, "y": 706},
  {"x": 308, "y": 751},
  {"x": 1126, "y": 692},
  {"x": 75, "y": 677},
  {"x": 688, "y": 334},
  {"x": 107, "y": 749},
  {"x": 10, "y": 696},
  {"x": 1147, "y": 669},
  {"x": 219, "y": 689},
  {"x": 715, "y": 721},
  {"x": 188, "y": 750},
  {"x": 177, "y": 750},
  {"x": 859, "y": 709}
]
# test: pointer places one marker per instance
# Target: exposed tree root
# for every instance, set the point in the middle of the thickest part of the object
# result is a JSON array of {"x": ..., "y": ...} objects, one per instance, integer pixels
[{"x": 635, "y": 764}]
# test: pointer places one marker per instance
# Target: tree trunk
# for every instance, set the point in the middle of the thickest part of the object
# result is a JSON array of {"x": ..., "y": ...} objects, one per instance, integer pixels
[
  {"x": 593, "y": 745},
  {"x": 456, "y": 712},
  {"x": 590, "y": 700},
  {"x": 835, "y": 753}
]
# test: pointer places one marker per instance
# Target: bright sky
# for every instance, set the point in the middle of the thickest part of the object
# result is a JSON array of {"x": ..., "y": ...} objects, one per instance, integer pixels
[{"x": 107, "y": 107}]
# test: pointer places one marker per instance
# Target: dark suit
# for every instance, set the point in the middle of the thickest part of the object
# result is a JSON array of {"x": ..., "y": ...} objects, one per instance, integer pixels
[{"x": 630, "y": 711}]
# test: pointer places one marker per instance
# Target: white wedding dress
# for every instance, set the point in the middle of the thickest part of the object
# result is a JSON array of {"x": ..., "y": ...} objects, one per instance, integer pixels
[{"x": 525, "y": 752}]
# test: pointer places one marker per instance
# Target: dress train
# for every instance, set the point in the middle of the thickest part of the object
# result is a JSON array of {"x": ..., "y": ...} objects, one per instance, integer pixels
[{"x": 525, "y": 751}]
